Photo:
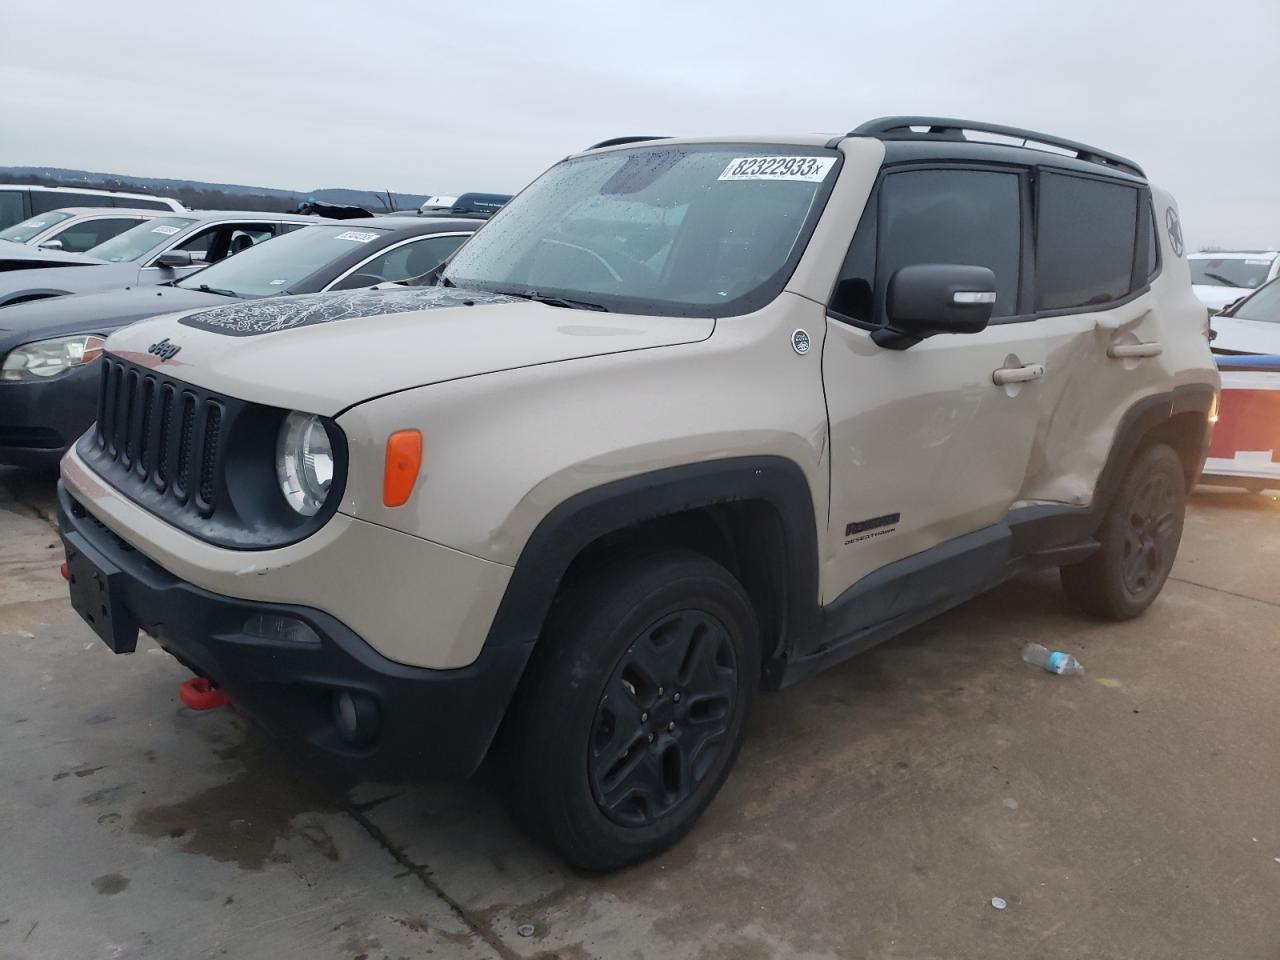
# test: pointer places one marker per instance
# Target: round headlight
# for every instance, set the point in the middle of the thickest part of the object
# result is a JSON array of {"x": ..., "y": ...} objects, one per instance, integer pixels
[{"x": 304, "y": 462}]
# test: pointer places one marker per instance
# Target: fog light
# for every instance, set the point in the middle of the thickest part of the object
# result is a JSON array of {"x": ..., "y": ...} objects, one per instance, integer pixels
[
  {"x": 356, "y": 716},
  {"x": 265, "y": 626}
]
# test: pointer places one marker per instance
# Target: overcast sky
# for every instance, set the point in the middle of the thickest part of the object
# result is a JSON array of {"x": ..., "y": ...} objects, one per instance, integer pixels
[{"x": 432, "y": 97}]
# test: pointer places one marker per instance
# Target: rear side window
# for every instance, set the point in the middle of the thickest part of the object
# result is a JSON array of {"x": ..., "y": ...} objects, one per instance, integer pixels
[
  {"x": 44, "y": 201},
  {"x": 11, "y": 209},
  {"x": 138, "y": 203},
  {"x": 970, "y": 217},
  {"x": 1086, "y": 238}
]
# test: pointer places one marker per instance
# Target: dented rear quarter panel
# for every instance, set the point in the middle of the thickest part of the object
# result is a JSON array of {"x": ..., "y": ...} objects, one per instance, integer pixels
[{"x": 1086, "y": 394}]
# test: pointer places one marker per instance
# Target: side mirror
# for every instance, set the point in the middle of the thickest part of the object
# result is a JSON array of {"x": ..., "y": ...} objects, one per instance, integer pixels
[
  {"x": 358, "y": 281},
  {"x": 174, "y": 258},
  {"x": 51, "y": 245},
  {"x": 931, "y": 298}
]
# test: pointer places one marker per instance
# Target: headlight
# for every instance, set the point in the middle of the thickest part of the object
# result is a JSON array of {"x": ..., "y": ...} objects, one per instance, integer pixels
[
  {"x": 49, "y": 358},
  {"x": 304, "y": 462}
]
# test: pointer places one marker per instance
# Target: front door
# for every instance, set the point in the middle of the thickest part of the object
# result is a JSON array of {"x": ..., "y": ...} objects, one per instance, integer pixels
[{"x": 932, "y": 442}]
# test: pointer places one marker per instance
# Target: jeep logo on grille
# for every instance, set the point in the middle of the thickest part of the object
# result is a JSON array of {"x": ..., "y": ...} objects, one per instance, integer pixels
[{"x": 164, "y": 349}]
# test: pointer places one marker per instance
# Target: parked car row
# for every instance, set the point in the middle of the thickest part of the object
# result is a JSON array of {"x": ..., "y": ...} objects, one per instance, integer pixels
[
  {"x": 686, "y": 419},
  {"x": 48, "y": 378},
  {"x": 19, "y": 201}
]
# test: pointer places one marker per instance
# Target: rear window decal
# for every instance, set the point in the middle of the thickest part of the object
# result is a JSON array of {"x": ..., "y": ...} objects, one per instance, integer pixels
[
  {"x": 166, "y": 230},
  {"x": 359, "y": 236}
]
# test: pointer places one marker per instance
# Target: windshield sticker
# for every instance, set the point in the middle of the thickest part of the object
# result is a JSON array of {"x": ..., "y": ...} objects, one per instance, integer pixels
[
  {"x": 809, "y": 169},
  {"x": 166, "y": 231},
  {"x": 287, "y": 313},
  {"x": 1258, "y": 263},
  {"x": 277, "y": 283},
  {"x": 358, "y": 236}
]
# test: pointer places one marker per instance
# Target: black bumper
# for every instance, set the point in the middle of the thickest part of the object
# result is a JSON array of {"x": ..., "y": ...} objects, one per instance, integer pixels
[
  {"x": 431, "y": 724},
  {"x": 39, "y": 420}
]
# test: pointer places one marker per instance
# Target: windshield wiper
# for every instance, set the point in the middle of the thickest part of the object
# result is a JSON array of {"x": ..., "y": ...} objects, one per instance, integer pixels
[
  {"x": 555, "y": 301},
  {"x": 205, "y": 288},
  {"x": 1223, "y": 280}
]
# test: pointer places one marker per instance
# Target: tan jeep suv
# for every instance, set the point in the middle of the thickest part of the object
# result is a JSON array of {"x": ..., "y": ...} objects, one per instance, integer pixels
[{"x": 689, "y": 418}]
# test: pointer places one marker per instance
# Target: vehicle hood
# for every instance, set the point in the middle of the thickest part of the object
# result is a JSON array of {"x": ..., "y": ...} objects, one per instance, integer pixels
[
  {"x": 19, "y": 256},
  {"x": 55, "y": 281},
  {"x": 325, "y": 352},
  {"x": 94, "y": 312},
  {"x": 1241, "y": 336},
  {"x": 1215, "y": 297}
]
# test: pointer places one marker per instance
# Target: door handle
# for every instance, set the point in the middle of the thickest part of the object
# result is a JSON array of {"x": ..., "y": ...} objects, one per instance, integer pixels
[
  {"x": 1005, "y": 375},
  {"x": 1122, "y": 351}
]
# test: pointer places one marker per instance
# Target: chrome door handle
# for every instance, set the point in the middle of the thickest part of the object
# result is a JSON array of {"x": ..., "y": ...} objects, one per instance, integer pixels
[
  {"x": 1005, "y": 375},
  {"x": 1122, "y": 351}
]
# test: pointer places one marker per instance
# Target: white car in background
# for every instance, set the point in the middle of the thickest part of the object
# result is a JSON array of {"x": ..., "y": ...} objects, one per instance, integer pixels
[
  {"x": 74, "y": 229},
  {"x": 436, "y": 204},
  {"x": 1223, "y": 277},
  {"x": 1250, "y": 326}
]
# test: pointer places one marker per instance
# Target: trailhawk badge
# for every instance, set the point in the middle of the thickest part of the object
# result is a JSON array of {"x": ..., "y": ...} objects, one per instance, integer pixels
[{"x": 800, "y": 342}]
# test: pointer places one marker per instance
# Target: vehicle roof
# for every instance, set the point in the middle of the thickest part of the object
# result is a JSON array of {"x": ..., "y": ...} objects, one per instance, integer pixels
[
  {"x": 206, "y": 216},
  {"x": 109, "y": 212},
  {"x": 417, "y": 224},
  {"x": 95, "y": 190},
  {"x": 902, "y": 150},
  {"x": 1233, "y": 254}
]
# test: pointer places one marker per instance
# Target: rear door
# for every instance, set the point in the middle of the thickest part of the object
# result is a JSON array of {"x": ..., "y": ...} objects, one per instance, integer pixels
[
  {"x": 1096, "y": 252},
  {"x": 926, "y": 446}
]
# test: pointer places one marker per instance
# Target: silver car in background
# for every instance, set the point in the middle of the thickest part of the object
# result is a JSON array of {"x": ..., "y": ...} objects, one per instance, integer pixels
[{"x": 156, "y": 251}]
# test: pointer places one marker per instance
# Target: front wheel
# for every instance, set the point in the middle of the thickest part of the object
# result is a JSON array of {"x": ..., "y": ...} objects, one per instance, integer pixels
[
  {"x": 1139, "y": 537},
  {"x": 632, "y": 713}
]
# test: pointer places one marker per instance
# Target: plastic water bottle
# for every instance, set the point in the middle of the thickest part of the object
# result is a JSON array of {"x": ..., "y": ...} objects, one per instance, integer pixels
[{"x": 1052, "y": 661}]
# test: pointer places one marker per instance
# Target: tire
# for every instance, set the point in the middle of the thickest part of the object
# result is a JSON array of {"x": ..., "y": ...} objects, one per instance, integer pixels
[
  {"x": 631, "y": 714},
  {"x": 1139, "y": 536}
]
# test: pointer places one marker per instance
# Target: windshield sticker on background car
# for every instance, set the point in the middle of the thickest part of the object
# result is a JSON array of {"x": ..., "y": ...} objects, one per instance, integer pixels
[
  {"x": 271, "y": 316},
  {"x": 810, "y": 169},
  {"x": 1258, "y": 263},
  {"x": 358, "y": 236},
  {"x": 167, "y": 231}
]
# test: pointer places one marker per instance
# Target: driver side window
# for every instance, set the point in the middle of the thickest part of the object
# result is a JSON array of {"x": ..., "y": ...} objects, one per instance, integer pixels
[
  {"x": 402, "y": 263},
  {"x": 953, "y": 216}
]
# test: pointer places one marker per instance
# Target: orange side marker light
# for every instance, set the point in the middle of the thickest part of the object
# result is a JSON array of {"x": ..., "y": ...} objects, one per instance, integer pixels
[{"x": 404, "y": 457}]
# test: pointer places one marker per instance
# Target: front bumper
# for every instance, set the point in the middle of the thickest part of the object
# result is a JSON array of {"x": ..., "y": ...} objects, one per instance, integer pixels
[
  {"x": 431, "y": 724},
  {"x": 40, "y": 419}
]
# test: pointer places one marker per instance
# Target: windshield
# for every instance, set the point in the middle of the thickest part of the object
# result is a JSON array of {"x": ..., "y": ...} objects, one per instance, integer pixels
[
  {"x": 24, "y": 231},
  {"x": 140, "y": 240},
  {"x": 275, "y": 266},
  {"x": 691, "y": 230},
  {"x": 1263, "y": 305},
  {"x": 1234, "y": 272}
]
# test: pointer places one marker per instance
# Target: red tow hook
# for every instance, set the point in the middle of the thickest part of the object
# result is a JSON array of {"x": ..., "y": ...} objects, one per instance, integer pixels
[
  {"x": 66, "y": 574},
  {"x": 199, "y": 694}
]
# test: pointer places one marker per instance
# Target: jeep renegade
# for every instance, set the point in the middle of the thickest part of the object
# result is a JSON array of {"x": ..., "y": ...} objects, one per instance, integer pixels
[{"x": 687, "y": 419}]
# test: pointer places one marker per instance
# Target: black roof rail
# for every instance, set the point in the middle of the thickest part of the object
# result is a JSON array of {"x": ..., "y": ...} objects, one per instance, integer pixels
[
  {"x": 948, "y": 128},
  {"x": 619, "y": 141}
]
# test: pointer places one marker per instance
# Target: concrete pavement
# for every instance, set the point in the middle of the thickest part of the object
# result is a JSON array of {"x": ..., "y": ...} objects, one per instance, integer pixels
[{"x": 875, "y": 811}]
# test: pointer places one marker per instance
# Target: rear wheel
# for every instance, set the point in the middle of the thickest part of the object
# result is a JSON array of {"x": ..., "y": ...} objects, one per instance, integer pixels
[
  {"x": 631, "y": 715},
  {"x": 1139, "y": 538}
]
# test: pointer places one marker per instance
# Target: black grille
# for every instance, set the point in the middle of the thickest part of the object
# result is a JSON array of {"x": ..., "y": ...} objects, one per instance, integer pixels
[
  {"x": 162, "y": 432},
  {"x": 201, "y": 461}
]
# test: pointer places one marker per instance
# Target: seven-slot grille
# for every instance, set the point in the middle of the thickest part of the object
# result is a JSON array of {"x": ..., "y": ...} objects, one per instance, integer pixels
[{"x": 160, "y": 431}]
